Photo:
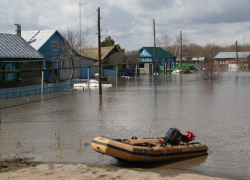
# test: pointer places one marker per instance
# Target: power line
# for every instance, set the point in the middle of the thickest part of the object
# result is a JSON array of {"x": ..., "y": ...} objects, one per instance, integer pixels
[
  {"x": 114, "y": 16},
  {"x": 88, "y": 30},
  {"x": 74, "y": 9},
  {"x": 64, "y": 12}
]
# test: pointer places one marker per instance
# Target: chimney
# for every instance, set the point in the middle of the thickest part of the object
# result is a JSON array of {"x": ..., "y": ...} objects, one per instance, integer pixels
[{"x": 18, "y": 29}]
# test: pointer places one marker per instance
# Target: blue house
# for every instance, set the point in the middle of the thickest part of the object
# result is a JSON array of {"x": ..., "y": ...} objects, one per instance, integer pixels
[
  {"x": 52, "y": 46},
  {"x": 49, "y": 43},
  {"x": 146, "y": 58}
]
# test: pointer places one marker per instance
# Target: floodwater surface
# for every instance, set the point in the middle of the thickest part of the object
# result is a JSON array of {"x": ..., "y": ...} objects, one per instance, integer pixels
[{"x": 216, "y": 111}]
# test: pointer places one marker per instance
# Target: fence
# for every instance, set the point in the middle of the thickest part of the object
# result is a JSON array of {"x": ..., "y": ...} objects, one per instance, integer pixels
[
  {"x": 184, "y": 67},
  {"x": 126, "y": 72},
  {"x": 33, "y": 90}
]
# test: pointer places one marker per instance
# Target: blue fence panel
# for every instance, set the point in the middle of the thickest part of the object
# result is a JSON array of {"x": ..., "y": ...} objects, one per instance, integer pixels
[
  {"x": 126, "y": 72},
  {"x": 109, "y": 72},
  {"x": 33, "y": 90}
]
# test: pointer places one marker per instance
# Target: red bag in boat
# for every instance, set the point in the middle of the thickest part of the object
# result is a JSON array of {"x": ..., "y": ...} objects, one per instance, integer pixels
[{"x": 189, "y": 136}]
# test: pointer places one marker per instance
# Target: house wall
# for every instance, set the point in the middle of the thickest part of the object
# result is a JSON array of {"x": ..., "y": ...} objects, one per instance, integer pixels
[
  {"x": 80, "y": 62},
  {"x": 50, "y": 54},
  {"x": 22, "y": 78},
  {"x": 228, "y": 61},
  {"x": 147, "y": 68},
  {"x": 46, "y": 49},
  {"x": 31, "y": 78},
  {"x": 160, "y": 61},
  {"x": 5, "y": 82}
]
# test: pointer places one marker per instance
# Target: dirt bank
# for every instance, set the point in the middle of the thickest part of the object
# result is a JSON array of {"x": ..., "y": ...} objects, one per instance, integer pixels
[{"x": 19, "y": 170}]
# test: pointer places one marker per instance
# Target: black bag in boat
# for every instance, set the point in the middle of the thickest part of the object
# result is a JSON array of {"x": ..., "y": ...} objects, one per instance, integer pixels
[{"x": 173, "y": 136}]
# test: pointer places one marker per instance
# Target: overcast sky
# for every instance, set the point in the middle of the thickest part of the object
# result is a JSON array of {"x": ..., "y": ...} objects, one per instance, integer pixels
[{"x": 130, "y": 22}]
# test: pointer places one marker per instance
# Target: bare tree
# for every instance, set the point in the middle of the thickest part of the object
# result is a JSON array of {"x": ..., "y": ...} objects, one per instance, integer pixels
[
  {"x": 163, "y": 40},
  {"x": 210, "y": 71},
  {"x": 117, "y": 58},
  {"x": 195, "y": 50},
  {"x": 73, "y": 45},
  {"x": 211, "y": 51},
  {"x": 132, "y": 57},
  {"x": 127, "y": 59}
]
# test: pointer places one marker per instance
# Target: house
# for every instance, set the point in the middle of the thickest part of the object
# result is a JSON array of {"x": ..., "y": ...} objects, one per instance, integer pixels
[
  {"x": 106, "y": 52},
  {"x": 185, "y": 59},
  {"x": 198, "y": 60},
  {"x": 52, "y": 46},
  {"x": 17, "y": 54},
  {"x": 231, "y": 57},
  {"x": 146, "y": 58}
]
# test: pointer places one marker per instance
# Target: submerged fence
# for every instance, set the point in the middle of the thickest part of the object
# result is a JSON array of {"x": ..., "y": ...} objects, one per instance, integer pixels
[
  {"x": 126, "y": 72},
  {"x": 35, "y": 89}
]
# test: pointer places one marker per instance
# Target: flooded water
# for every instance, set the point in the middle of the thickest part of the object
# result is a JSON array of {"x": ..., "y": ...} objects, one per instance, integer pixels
[{"x": 217, "y": 112}]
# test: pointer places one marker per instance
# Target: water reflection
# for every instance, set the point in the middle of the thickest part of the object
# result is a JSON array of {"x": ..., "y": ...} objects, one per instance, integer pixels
[
  {"x": 217, "y": 112},
  {"x": 174, "y": 164}
]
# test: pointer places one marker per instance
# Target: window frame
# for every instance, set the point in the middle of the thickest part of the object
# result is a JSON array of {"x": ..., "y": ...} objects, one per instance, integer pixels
[{"x": 54, "y": 45}]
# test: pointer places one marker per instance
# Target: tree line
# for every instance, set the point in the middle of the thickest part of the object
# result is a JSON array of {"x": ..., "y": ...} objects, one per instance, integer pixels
[{"x": 195, "y": 50}]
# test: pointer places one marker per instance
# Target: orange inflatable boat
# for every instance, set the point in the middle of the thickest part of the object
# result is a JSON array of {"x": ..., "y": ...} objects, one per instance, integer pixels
[{"x": 147, "y": 150}]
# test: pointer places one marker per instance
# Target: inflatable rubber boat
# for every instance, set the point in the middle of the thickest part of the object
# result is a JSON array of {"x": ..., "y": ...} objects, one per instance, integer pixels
[{"x": 148, "y": 149}]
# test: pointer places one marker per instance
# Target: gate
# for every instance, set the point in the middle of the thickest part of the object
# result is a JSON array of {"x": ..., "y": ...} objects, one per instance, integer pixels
[{"x": 84, "y": 71}]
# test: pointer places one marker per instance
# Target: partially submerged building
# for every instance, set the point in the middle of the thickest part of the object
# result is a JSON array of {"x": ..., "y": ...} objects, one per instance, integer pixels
[
  {"x": 17, "y": 54},
  {"x": 51, "y": 44},
  {"x": 146, "y": 59},
  {"x": 233, "y": 60},
  {"x": 231, "y": 57}
]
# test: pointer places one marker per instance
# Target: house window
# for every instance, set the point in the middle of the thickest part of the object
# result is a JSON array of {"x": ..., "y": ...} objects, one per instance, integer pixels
[
  {"x": 141, "y": 65},
  {"x": 54, "y": 45},
  {"x": 62, "y": 64},
  {"x": 9, "y": 76}
]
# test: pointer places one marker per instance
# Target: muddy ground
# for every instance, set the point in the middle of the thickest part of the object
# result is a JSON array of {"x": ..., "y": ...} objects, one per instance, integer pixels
[{"x": 22, "y": 170}]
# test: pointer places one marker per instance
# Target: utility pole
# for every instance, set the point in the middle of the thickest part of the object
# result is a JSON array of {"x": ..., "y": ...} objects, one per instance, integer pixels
[
  {"x": 237, "y": 59},
  {"x": 99, "y": 53},
  {"x": 154, "y": 49},
  {"x": 181, "y": 50},
  {"x": 80, "y": 24}
]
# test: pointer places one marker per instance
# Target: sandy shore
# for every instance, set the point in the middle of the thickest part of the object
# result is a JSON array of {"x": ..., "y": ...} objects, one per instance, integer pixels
[{"x": 55, "y": 171}]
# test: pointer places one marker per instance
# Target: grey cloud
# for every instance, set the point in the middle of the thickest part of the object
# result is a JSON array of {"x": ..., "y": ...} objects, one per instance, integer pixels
[{"x": 231, "y": 11}]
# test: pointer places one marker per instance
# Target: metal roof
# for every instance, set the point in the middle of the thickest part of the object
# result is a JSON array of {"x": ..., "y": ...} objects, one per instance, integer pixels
[
  {"x": 37, "y": 38},
  {"x": 231, "y": 55},
  {"x": 160, "y": 53},
  {"x": 93, "y": 52},
  {"x": 15, "y": 47},
  {"x": 198, "y": 58}
]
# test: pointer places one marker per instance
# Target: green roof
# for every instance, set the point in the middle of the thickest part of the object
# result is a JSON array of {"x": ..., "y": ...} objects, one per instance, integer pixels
[{"x": 160, "y": 53}]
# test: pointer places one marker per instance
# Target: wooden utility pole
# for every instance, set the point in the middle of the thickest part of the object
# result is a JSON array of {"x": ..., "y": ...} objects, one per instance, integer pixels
[
  {"x": 237, "y": 58},
  {"x": 154, "y": 49},
  {"x": 99, "y": 53},
  {"x": 80, "y": 24},
  {"x": 180, "y": 66}
]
